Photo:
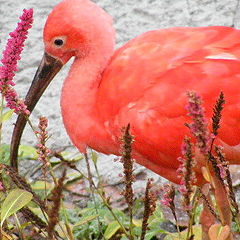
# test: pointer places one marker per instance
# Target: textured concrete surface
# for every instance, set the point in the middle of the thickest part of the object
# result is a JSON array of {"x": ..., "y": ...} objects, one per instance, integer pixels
[{"x": 131, "y": 18}]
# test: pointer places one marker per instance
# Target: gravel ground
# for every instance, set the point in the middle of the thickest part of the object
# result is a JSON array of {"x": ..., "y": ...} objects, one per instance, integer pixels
[{"x": 131, "y": 18}]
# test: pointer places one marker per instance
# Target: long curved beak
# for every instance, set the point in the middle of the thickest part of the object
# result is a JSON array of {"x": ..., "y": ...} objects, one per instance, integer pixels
[{"x": 47, "y": 70}]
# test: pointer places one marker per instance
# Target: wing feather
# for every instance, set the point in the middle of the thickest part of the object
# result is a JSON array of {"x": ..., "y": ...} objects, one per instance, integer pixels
[{"x": 147, "y": 79}]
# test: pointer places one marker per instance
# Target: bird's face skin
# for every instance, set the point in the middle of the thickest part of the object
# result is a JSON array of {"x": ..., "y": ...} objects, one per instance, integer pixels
[
  {"x": 63, "y": 45},
  {"x": 57, "y": 47}
]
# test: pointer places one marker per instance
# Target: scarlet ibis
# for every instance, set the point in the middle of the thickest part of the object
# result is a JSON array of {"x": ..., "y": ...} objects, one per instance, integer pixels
[{"x": 143, "y": 83}]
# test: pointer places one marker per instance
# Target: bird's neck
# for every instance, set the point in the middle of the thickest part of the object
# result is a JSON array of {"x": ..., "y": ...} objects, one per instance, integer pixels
[{"x": 79, "y": 98}]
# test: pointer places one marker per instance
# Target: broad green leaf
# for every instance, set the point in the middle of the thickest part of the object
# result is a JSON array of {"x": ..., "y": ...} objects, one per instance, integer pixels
[
  {"x": 85, "y": 211},
  {"x": 64, "y": 230},
  {"x": 68, "y": 156},
  {"x": 137, "y": 222},
  {"x": 7, "y": 115},
  {"x": 38, "y": 212},
  {"x": 118, "y": 213},
  {"x": 150, "y": 235},
  {"x": 137, "y": 231},
  {"x": 112, "y": 228},
  {"x": 158, "y": 213},
  {"x": 69, "y": 230},
  {"x": 73, "y": 176},
  {"x": 14, "y": 201},
  {"x": 72, "y": 156},
  {"x": 2, "y": 196},
  {"x": 85, "y": 220},
  {"x": 26, "y": 151},
  {"x": 197, "y": 231},
  {"x": 42, "y": 185}
]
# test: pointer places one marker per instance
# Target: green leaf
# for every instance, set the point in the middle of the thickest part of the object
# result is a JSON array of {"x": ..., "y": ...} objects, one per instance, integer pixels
[
  {"x": 7, "y": 115},
  {"x": 85, "y": 220},
  {"x": 150, "y": 235},
  {"x": 64, "y": 230},
  {"x": 197, "y": 231},
  {"x": 42, "y": 185},
  {"x": 4, "y": 154},
  {"x": 38, "y": 212},
  {"x": 112, "y": 228},
  {"x": 14, "y": 201},
  {"x": 118, "y": 213},
  {"x": 71, "y": 156},
  {"x": 73, "y": 177},
  {"x": 137, "y": 222},
  {"x": 26, "y": 151},
  {"x": 85, "y": 211},
  {"x": 94, "y": 157}
]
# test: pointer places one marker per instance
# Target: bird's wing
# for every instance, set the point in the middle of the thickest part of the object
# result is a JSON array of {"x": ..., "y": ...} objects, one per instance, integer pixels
[{"x": 145, "y": 84}]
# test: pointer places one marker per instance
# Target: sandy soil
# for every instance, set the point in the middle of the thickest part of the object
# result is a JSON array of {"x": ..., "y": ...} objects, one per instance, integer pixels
[{"x": 131, "y": 19}]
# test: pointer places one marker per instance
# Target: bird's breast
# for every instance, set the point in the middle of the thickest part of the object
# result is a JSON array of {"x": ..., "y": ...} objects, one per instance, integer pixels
[{"x": 83, "y": 124}]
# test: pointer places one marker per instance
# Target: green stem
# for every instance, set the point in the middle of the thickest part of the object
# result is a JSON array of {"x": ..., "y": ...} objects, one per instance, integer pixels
[
  {"x": 195, "y": 199},
  {"x": 31, "y": 125}
]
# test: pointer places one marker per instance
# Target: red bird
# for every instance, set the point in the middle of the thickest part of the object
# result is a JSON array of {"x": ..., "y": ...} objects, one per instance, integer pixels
[{"x": 143, "y": 83}]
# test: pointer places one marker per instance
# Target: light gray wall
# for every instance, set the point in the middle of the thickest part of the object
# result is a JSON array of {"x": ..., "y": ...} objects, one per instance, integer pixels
[{"x": 131, "y": 17}]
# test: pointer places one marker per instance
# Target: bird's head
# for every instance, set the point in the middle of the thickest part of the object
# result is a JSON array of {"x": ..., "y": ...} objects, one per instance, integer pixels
[{"x": 76, "y": 28}]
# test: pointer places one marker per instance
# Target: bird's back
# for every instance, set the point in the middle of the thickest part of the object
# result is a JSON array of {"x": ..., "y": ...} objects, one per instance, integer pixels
[{"x": 146, "y": 81}]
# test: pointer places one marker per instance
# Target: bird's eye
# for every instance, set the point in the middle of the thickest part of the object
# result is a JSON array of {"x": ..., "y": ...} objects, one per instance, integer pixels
[{"x": 58, "y": 42}]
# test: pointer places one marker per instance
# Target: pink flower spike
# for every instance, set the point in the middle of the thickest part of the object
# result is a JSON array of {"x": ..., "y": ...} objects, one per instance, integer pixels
[
  {"x": 1, "y": 186},
  {"x": 42, "y": 150},
  {"x": 186, "y": 172},
  {"x": 222, "y": 171},
  {"x": 168, "y": 196},
  {"x": 199, "y": 125},
  {"x": 11, "y": 55}
]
